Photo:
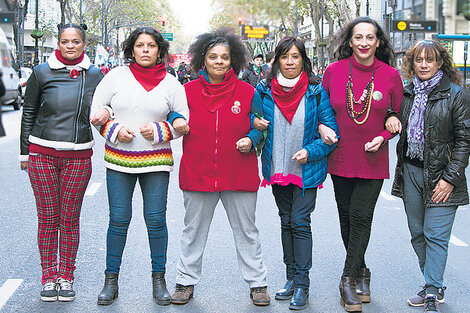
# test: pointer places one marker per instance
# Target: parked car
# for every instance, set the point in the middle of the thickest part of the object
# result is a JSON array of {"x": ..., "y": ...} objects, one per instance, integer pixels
[
  {"x": 25, "y": 73},
  {"x": 9, "y": 75}
]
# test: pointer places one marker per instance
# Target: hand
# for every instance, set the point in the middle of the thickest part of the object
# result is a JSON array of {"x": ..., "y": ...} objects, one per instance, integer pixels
[
  {"x": 442, "y": 191},
  {"x": 24, "y": 165},
  {"x": 125, "y": 135},
  {"x": 181, "y": 126},
  {"x": 244, "y": 145},
  {"x": 147, "y": 131},
  {"x": 393, "y": 125},
  {"x": 100, "y": 117},
  {"x": 301, "y": 156},
  {"x": 328, "y": 135},
  {"x": 260, "y": 123},
  {"x": 375, "y": 144}
]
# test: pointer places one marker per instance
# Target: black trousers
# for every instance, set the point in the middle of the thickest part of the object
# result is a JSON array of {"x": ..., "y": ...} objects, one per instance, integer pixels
[
  {"x": 295, "y": 207},
  {"x": 356, "y": 199}
]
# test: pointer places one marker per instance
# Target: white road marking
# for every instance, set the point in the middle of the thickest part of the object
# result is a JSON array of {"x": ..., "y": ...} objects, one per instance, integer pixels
[
  {"x": 8, "y": 289},
  {"x": 387, "y": 196},
  {"x": 92, "y": 189},
  {"x": 456, "y": 241}
]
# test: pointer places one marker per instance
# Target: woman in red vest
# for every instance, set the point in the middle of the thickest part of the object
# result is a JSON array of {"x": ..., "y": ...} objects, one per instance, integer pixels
[{"x": 219, "y": 162}]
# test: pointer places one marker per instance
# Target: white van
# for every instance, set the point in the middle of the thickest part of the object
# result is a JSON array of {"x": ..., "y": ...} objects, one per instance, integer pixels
[{"x": 9, "y": 74}]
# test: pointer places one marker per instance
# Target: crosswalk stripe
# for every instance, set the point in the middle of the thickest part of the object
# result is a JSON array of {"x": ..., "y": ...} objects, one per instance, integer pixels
[
  {"x": 456, "y": 241},
  {"x": 8, "y": 289},
  {"x": 387, "y": 196},
  {"x": 92, "y": 189}
]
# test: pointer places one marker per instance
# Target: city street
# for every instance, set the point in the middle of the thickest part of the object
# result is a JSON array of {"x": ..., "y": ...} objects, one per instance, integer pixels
[{"x": 394, "y": 266}]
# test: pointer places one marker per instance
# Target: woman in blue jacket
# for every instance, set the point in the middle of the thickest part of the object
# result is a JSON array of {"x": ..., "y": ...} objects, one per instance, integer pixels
[{"x": 294, "y": 157}]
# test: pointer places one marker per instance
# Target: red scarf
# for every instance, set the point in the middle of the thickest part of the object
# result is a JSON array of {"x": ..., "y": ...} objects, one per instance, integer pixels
[
  {"x": 216, "y": 95},
  {"x": 288, "y": 101},
  {"x": 149, "y": 77},
  {"x": 60, "y": 57}
]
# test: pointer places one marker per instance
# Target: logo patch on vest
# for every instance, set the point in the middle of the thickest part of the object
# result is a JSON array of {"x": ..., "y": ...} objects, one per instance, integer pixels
[{"x": 236, "y": 107}]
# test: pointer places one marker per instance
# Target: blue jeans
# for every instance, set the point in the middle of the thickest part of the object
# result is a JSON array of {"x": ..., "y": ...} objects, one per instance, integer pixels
[
  {"x": 154, "y": 188},
  {"x": 430, "y": 227},
  {"x": 296, "y": 233}
]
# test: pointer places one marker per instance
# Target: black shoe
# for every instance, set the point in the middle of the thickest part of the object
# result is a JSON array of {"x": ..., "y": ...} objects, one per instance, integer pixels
[
  {"x": 418, "y": 299},
  {"x": 110, "y": 289},
  {"x": 431, "y": 304},
  {"x": 299, "y": 299},
  {"x": 160, "y": 292},
  {"x": 66, "y": 292},
  {"x": 286, "y": 292},
  {"x": 49, "y": 292}
]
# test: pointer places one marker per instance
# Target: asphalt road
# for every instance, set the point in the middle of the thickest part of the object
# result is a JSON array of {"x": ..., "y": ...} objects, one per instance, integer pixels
[{"x": 395, "y": 273}]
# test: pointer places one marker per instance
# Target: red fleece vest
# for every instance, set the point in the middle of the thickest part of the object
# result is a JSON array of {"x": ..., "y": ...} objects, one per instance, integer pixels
[{"x": 211, "y": 161}]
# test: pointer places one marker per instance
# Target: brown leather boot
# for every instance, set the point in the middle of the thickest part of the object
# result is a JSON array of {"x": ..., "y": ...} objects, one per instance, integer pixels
[
  {"x": 363, "y": 285},
  {"x": 182, "y": 294},
  {"x": 349, "y": 298}
]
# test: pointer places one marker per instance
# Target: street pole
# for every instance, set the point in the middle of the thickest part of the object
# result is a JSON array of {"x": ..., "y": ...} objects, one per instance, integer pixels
[
  {"x": 322, "y": 61},
  {"x": 20, "y": 37},
  {"x": 102, "y": 24},
  {"x": 367, "y": 7},
  {"x": 296, "y": 18},
  {"x": 81, "y": 15},
  {"x": 36, "y": 47}
]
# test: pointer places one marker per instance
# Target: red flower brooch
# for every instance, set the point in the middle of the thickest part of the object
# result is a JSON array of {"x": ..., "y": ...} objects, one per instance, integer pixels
[{"x": 74, "y": 73}]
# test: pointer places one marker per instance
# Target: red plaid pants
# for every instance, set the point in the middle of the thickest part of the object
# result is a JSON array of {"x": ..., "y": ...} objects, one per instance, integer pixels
[{"x": 59, "y": 185}]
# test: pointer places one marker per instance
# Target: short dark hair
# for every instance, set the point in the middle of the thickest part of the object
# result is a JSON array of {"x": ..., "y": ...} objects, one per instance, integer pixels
[
  {"x": 80, "y": 28},
  {"x": 434, "y": 50},
  {"x": 342, "y": 39},
  {"x": 163, "y": 45},
  {"x": 224, "y": 36},
  {"x": 269, "y": 56},
  {"x": 282, "y": 47}
]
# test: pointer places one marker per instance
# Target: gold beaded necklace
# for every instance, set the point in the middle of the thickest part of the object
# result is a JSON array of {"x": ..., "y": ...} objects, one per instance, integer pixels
[{"x": 365, "y": 100}]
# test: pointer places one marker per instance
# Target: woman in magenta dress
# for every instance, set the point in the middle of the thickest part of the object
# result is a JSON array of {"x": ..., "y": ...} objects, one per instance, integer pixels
[{"x": 363, "y": 87}]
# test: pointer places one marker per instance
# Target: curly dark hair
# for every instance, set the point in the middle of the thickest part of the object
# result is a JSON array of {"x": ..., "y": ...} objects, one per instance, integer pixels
[
  {"x": 163, "y": 45},
  {"x": 80, "y": 28},
  {"x": 283, "y": 47},
  {"x": 435, "y": 51},
  {"x": 224, "y": 36},
  {"x": 342, "y": 39}
]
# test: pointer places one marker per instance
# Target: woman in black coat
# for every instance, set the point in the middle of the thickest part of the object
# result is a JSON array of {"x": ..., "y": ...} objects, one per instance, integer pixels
[{"x": 433, "y": 153}]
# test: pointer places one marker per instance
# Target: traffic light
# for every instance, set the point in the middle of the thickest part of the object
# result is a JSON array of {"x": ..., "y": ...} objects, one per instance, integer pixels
[
  {"x": 240, "y": 20},
  {"x": 7, "y": 18},
  {"x": 108, "y": 48}
]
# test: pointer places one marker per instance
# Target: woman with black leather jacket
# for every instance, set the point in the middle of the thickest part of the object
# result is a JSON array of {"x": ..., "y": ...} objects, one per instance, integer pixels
[
  {"x": 433, "y": 153},
  {"x": 56, "y": 141}
]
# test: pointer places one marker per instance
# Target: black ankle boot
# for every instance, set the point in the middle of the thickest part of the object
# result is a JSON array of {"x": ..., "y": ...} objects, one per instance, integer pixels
[
  {"x": 299, "y": 299},
  {"x": 286, "y": 292},
  {"x": 349, "y": 298},
  {"x": 110, "y": 289},
  {"x": 160, "y": 293},
  {"x": 363, "y": 285}
]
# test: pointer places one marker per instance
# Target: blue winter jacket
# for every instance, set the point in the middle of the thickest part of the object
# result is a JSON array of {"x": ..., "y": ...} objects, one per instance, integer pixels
[{"x": 314, "y": 171}]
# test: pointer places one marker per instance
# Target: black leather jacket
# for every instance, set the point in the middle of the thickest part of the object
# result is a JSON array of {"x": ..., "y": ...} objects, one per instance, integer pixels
[
  {"x": 447, "y": 141},
  {"x": 57, "y": 107}
]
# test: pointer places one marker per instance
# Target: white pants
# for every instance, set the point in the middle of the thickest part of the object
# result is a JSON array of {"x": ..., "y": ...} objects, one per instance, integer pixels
[{"x": 240, "y": 208}]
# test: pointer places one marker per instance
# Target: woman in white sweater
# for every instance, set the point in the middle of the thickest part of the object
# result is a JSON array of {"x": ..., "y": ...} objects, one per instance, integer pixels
[{"x": 138, "y": 97}]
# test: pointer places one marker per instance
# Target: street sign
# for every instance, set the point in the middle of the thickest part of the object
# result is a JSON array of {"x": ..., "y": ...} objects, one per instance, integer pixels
[
  {"x": 168, "y": 36},
  {"x": 7, "y": 18},
  {"x": 255, "y": 32},
  {"x": 415, "y": 26}
]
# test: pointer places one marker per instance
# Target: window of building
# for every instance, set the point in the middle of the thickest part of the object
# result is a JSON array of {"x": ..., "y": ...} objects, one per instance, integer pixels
[{"x": 460, "y": 4}]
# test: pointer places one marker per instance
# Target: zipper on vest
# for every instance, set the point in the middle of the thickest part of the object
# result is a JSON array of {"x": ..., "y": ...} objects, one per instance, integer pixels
[
  {"x": 216, "y": 148},
  {"x": 80, "y": 101}
]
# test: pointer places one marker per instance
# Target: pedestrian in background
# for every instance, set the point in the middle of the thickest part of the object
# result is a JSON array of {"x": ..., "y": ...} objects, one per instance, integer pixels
[
  {"x": 56, "y": 142},
  {"x": 253, "y": 73},
  {"x": 219, "y": 163},
  {"x": 433, "y": 153},
  {"x": 269, "y": 63},
  {"x": 139, "y": 97},
  {"x": 294, "y": 159},
  {"x": 363, "y": 86}
]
